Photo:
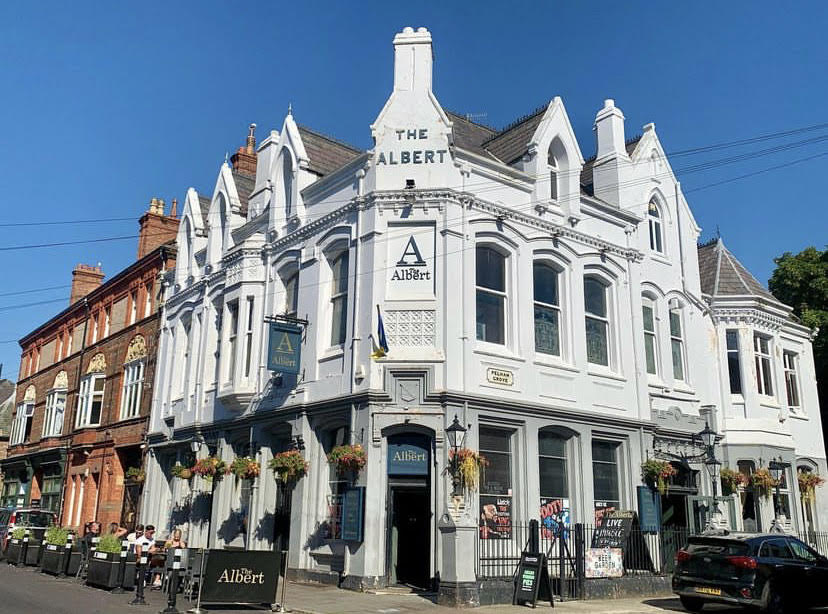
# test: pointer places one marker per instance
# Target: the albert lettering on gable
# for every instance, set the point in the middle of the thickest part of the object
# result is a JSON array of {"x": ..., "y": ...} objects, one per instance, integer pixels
[{"x": 411, "y": 155}]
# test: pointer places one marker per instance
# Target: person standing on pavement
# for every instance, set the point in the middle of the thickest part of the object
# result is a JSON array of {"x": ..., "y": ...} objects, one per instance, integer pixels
[{"x": 145, "y": 544}]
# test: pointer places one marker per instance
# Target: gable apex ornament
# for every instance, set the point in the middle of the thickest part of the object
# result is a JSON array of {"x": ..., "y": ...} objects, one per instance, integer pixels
[
  {"x": 97, "y": 364},
  {"x": 137, "y": 349}
]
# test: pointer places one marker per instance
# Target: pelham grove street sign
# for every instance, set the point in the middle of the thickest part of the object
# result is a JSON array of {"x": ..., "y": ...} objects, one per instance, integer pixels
[{"x": 284, "y": 348}]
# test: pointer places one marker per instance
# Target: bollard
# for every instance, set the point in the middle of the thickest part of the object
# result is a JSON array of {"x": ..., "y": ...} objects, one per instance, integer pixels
[
  {"x": 24, "y": 549},
  {"x": 94, "y": 545},
  {"x": 122, "y": 567},
  {"x": 139, "y": 581},
  {"x": 67, "y": 555},
  {"x": 172, "y": 584}
]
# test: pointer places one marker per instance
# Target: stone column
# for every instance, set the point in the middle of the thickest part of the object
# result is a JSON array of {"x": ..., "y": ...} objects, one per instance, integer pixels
[{"x": 458, "y": 580}]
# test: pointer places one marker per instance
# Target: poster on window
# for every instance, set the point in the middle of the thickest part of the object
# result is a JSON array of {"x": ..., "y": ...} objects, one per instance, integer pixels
[
  {"x": 602, "y": 509},
  {"x": 495, "y": 517},
  {"x": 554, "y": 515}
]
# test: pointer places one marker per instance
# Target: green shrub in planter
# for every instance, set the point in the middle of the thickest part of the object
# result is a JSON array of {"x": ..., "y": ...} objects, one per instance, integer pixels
[
  {"x": 104, "y": 562},
  {"x": 54, "y": 558},
  {"x": 56, "y": 535}
]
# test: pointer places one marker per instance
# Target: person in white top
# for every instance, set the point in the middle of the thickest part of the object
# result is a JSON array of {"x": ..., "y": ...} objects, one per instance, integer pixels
[{"x": 145, "y": 544}]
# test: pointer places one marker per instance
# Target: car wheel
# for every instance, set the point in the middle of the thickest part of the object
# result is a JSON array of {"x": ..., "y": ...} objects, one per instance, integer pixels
[
  {"x": 772, "y": 600},
  {"x": 691, "y": 604}
]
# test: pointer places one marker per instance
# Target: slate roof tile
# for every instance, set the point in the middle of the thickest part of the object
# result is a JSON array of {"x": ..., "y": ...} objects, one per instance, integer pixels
[
  {"x": 326, "y": 154},
  {"x": 723, "y": 275}
]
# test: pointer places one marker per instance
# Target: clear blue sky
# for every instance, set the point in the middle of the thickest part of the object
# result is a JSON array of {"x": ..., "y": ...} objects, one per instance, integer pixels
[{"x": 106, "y": 105}]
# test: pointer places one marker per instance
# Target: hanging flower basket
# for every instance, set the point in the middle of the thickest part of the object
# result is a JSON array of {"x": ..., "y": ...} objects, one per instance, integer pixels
[
  {"x": 808, "y": 482},
  {"x": 182, "y": 472},
  {"x": 348, "y": 458},
  {"x": 732, "y": 481},
  {"x": 763, "y": 481},
  {"x": 469, "y": 466},
  {"x": 210, "y": 467},
  {"x": 657, "y": 474},
  {"x": 245, "y": 468},
  {"x": 135, "y": 475},
  {"x": 289, "y": 466}
]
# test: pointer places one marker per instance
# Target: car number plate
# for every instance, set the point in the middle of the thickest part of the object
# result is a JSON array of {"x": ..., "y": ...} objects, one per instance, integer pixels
[{"x": 708, "y": 591}]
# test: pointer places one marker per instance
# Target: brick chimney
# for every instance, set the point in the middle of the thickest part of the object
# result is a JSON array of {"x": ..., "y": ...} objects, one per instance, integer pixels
[
  {"x": 244, "y": 160},
  {"x": 85, "y": 278},
  {"x": 155, "y": 228}
]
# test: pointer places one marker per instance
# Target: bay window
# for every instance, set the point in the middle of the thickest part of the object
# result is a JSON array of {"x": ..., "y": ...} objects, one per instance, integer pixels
[
  {"x": 90, "y": 400},
  {"x": 232, "y": 334},
  {"x": 734, "y": 368},
  {"x": 490, "y": 281},
  {"x": 248, "y": 338},
  {"x": 547, "y": 309},
  {"x": 762, "y": 358},
  {"x": 789, "y": 360}
]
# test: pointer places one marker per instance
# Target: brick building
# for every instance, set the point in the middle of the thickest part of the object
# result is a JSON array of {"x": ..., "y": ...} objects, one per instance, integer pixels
[{"x": 85, "y": 387}]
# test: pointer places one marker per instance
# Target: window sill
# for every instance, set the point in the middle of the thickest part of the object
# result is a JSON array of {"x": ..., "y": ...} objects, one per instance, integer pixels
[
  {"x": 769, "y": 402},
  {"x": 797, "y": 414},
  {"x": 605, "y": 372},
  {"x": 659, "y": 257},
  {"x": 684, "y": 388},
  {"x": 556, "y": 363},
  {"x": 336, "y": 351},
  {"x": 498, "y": 351}
]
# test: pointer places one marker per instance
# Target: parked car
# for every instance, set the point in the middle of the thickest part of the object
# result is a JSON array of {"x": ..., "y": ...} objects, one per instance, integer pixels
[
  {"x": 774, "y": 572},
  {"x": 35, "y": 519}
]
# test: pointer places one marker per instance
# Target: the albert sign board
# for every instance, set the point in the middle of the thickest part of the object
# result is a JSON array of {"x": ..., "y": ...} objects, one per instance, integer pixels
[
  {"x": 410, "y": 270},
  {"x": 240, "y": 576},
  {"x": 284, "y": 348}
]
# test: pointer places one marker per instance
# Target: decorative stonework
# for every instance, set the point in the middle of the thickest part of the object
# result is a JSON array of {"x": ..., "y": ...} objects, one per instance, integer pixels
[
  {"x": 30, "y": 394},
  {"x": 61, "y": 381},
  {"x": 137, "y": 348},
  {"x": 97, "y": 364},
  {"x": 750, "y": 316},
  {"x": 411, "y": 327}
]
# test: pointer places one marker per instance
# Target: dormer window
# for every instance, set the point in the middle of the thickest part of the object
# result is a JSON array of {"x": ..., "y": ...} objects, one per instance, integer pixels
[{"x": 654, "y": 219}]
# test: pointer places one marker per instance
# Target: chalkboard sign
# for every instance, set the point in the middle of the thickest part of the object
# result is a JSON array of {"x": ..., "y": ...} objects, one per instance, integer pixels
[
  {"x": 353, "y": 506},
  {"x": 614, "y": 530},
  {"x": 649, "y": 509},
  {"x": 532, "y": 580}
]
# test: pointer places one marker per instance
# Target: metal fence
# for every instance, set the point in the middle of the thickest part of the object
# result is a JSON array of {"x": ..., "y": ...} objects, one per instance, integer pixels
[{"x": 644, "y": 553}]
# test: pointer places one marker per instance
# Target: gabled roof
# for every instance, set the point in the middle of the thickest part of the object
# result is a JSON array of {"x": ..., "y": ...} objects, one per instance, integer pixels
[
  {"x": 245, "y": 184},
  {"x": 511, "y": 143},
  {"x": 722, "y": 275},
  {"x": 586, "y": 171},
  {"x": 470, "y": 135},
  {"x": 325, "y": 153}
]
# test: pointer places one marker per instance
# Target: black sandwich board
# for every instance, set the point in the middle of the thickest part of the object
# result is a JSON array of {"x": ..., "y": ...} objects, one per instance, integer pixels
[
  {"x": 620, "y": 529},
  {"x": 532, "y": 580},
  {"x": 241, "y": 577}
]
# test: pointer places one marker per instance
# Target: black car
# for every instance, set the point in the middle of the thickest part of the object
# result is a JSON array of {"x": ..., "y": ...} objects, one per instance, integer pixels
[{"x": 773, "y": 572}]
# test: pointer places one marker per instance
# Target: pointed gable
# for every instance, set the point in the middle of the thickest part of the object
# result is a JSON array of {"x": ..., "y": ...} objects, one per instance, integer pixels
[{"x": 723, "y": 275}]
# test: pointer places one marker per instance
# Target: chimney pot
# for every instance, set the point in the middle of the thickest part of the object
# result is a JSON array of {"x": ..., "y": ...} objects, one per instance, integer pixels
[{"x": 85, "y": 279}]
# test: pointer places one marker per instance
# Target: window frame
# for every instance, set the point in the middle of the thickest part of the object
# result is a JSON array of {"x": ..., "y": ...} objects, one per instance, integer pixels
[
  {"x": 501, "y": 296},
  {"x": 232, "y": 308},
  {"x": 21, "y": 426},
  {"x": 789, "y": 365},
  {"x": 763, "y": 361},
  {"x": 605, "y": 319},
  {"x": 248, "y": 336},
  {"x": 734, "y": 365},
  {"x": 554, "y": 308},
  {"x": 340, "y": 265},
  {"x": 132, "y": 388},
  {"x": 51, "y": 411},
  {"x": 86, "y": 400},
  {"x": 677, "y": 341},
  {"x": 616, "y": 462},
  {"x": 655, "y": 225},
  {"x": 650, "y": 335}
]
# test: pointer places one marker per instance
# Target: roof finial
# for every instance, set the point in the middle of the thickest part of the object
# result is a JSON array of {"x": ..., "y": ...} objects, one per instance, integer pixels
[
  {"x": 718, "y": 234},
  {"x": 290, "y": 109},
  {"x": 174, "y": 208}
]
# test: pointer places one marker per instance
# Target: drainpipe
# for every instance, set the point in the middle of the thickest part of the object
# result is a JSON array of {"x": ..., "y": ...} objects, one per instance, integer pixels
[
  {"x": 355, "y": 338},
  {"x": 78, "y": 373}
]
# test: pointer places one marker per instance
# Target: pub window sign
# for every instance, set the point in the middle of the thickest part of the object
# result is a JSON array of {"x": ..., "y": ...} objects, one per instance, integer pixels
[{"x": 284, "y": 348}]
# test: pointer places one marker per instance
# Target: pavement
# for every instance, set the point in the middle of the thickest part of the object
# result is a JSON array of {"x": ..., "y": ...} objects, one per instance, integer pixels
[{"x": 24, "y": 590}]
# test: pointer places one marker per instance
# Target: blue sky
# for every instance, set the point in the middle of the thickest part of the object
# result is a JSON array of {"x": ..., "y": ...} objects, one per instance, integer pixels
[{"x": 106, "y": 105}]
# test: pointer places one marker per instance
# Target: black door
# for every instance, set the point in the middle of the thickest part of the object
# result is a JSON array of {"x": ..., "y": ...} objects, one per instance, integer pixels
[{"x": 410, "y": 539}]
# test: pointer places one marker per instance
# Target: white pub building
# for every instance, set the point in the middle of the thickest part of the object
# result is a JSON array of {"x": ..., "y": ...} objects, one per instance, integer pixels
[{"x": 558, "y": 305}]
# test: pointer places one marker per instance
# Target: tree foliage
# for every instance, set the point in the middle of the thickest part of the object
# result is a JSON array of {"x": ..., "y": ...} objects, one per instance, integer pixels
[{"x": 801, "y": 281}]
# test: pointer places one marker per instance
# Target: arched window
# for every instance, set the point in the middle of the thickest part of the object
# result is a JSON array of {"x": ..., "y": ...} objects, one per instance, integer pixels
[
  {"x": 553, "y": 176},
  {"x": 650, "y": 344},
  {"x": 339, "y": 297},
  {"x": 90, "y": 398},
  {"x": 547, "y": 309},
  {"x": 133, "y": 378},
  {"x": 292, "y": 294},
  {"x": 597, "y": 320},
  {"x": 490, "y": 279},
  {"x": 654, "y": 219},
  {"x": 557, "y": 160},
  {"x": 287, "y": 182}
]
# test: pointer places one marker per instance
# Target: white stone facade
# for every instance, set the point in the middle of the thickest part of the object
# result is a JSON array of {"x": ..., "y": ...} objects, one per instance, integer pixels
[{"x": 485, "y": 315}]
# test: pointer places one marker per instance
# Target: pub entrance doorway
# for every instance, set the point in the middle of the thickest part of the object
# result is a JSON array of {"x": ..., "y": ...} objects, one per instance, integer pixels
[{"x": 409, "y": 517}]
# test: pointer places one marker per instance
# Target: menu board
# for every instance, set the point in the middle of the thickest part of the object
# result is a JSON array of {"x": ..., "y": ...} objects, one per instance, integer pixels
[
  {"x": 532, "y": 580},
  {"x": 495, "y": 517}
]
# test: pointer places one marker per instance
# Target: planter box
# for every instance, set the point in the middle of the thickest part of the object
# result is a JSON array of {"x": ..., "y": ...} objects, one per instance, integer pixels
[
  {"x": 33, "y": 553},
  {"x": 13, "y": 551},
  {"x": 129, "y": 573},
  {"x": 103, "y": 569},
  {"x": 53, "y": 561}
]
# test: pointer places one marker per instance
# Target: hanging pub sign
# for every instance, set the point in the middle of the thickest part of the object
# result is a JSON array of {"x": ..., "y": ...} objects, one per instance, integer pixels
[
  {"x": 649, "y": 509},
  {"x": 284, "y": 348},
  {"x": 240, "y": 576}
]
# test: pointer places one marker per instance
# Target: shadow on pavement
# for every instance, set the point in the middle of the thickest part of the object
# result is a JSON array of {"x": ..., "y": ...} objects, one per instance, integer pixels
[{"x": 672, "y": 604}]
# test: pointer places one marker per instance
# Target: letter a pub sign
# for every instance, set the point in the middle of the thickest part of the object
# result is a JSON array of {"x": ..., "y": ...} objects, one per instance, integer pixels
[{"x": 285, "y": 347}]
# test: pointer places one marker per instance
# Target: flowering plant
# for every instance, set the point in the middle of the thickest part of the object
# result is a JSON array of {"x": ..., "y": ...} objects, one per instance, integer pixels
[
  {"x": 210, "y": 467},
  {"x": 244, "y": 467},
  {"x": 763, "y": 481},
  {"x": 657, "y": 473},
  {"x": 808, "y": 481},
  {"x": 289, "y": 466},
  {"x": 469, "y": 465},
  {"x": 732, "y": 480},
  {"x": 347, "y": 458},
  {"x": 182, "y": 472},
  {"x": 135, "y": 474}
]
